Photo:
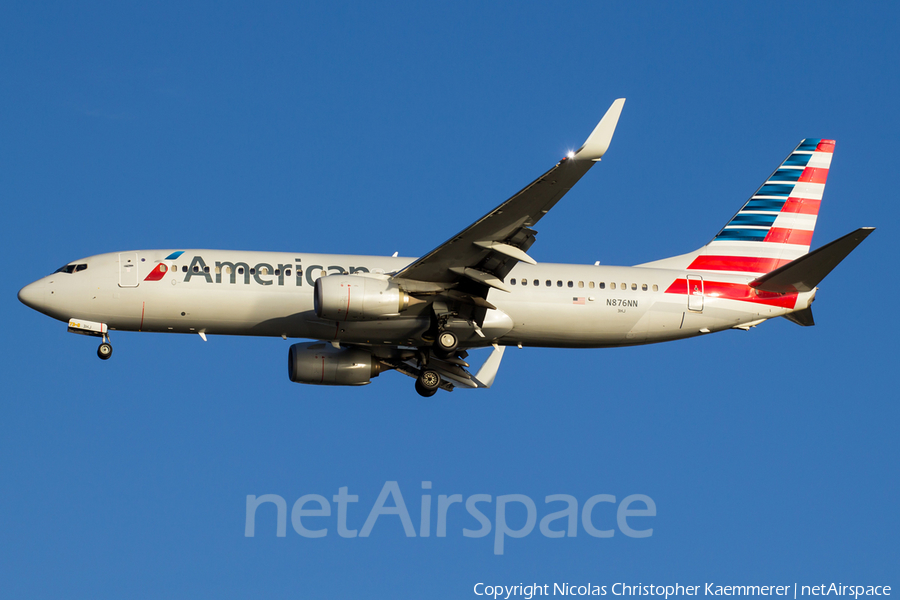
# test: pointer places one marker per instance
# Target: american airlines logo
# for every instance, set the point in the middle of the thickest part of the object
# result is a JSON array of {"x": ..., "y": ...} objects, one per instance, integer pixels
[{"x": 263, "y": 273}]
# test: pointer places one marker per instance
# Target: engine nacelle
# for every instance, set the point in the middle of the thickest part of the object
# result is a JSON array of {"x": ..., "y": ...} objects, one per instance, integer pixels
[
  {"x": 319, "y": 363},
  {"x": 358, "y": 298}
]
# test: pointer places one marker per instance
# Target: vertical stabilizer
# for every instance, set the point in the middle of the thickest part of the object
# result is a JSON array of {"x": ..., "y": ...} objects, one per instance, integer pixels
[{"x": 776, "y": 224}]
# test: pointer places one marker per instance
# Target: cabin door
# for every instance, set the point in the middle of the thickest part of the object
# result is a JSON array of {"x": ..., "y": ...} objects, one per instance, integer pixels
[
  {"x": 128, "y": 270},
  {"x": 695, "y": 293}
]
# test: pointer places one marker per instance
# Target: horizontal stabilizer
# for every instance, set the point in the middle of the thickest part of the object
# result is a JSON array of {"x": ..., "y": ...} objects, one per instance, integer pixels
[
  {"x": 805, "y": 273},
  {"x": 803, "y": 318}
]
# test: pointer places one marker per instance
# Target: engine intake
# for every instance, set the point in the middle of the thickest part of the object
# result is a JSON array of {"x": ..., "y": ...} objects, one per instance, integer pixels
[
  {"x": 357, "y": 298},
  {"x": 319, "y": 363}
]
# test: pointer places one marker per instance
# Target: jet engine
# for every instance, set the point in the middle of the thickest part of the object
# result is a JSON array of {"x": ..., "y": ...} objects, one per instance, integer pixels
[
  {"x": 323, "y": 364},
  {"x": 358, "y": 298}
]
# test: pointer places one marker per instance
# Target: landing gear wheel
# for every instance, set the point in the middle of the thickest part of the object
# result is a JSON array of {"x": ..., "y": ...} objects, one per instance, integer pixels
[
  {"x": 424, "y": 392},
  {"x": 428, "y": 383},
  {"x": 104, "y": 351},
  {"x": 446, "y": 342}
]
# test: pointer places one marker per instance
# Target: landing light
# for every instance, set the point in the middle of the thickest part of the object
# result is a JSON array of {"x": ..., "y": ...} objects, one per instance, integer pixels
[{"x": 571, "y": 154}]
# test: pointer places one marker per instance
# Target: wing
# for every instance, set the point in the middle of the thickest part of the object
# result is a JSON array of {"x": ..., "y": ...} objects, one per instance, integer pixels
[{"x": 479, "y": 257}]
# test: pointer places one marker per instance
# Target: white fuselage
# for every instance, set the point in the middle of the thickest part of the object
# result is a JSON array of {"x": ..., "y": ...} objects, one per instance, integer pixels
[{"x": 271, "y": 294}]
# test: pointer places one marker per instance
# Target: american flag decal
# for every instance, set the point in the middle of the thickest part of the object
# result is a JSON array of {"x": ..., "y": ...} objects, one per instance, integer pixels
[{"x": 578, "y": 300}]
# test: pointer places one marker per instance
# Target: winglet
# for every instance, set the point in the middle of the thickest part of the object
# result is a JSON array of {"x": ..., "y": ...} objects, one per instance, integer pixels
[
  {"x": 598, "y": 142},
  {"x": 488, "y": 371}
]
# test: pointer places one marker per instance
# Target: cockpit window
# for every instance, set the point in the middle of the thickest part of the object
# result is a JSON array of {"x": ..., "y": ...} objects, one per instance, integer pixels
[{"x": 71, "y": 268}]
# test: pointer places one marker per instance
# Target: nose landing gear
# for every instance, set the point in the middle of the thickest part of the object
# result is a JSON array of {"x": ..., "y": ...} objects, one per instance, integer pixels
[
  {"x": 93, "y": 329},
  {"x": 105, "y": 349}
]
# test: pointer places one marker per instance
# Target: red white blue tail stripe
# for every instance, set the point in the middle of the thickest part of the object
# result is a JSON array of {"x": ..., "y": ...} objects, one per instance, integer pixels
[{"x": 776, "y": 224}]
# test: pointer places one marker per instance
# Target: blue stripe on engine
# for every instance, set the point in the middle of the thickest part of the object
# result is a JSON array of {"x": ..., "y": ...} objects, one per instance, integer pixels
[
  {"x": 748, "y": 235},
  {"x": 756, "y": 220},
  {"x": 797, "y": 160},
  {"x": 771, "y": 204},
  {"x": 786, "y": 175},
  {"x": 808, "y": 144}
]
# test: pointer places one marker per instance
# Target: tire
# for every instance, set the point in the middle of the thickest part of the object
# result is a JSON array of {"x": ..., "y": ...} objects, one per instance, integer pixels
[
  {"x": 428, "y": 383},
  {"x": 446, "y": 342},
  {"x": 424, "y": 392},
  {"x": 104, "y": 351}
]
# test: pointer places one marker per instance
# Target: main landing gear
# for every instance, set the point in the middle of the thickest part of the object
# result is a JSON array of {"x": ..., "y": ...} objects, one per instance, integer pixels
[
  {"x": 105, "y": 349},
  {"x": 429, "y": 380},
  {"x": 444, "y": 347},
  {"x": 446, "y": 342},
  {"x": 427, "y": 383}
]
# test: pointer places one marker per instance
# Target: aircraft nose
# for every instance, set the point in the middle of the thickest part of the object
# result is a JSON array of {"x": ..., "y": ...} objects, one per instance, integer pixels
[{"x": 32, "y": 295}]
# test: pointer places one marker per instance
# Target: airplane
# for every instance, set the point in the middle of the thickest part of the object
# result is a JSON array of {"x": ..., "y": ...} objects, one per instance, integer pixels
[{"x": 479, "y": 289}]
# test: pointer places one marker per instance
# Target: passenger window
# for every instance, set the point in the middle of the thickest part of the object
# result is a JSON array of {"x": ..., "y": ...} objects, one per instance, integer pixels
[
  {"x": 602, "y": 285},
  {"x": 196, "y": 269},
  {"x": 549, "y": 283},
  {"x": 524, "y": 281},
  {"x": 624, "y": 286},
  {"x": 655, "y": 288},
  {"x": 253, "y": 270},
  {"x": 591, "y": 284},
  {"x": 537, "y": 282},
  {"x": 512, "y": 281},
  {"x": 184, "y": 268},
  {"x": 581, "y": 284},
  {"x": 228, "y": 270},
  {"x": 287, "y": 272},
  {"x": 240, "y": 270},
  {"x": 634, "y": 287},
  {"x": 278, "y": 271},
  {"x": 206, "y": 269},
  {"x": 571, "y": 284},
  {"x": 559, "y": 283},
  {"x": 612, "y": 286},
  {"x": 644, "y": 287}
]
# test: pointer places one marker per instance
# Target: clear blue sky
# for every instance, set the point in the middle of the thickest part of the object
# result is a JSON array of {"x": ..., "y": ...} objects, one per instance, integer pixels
[{"x": 342, "y": 127}]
